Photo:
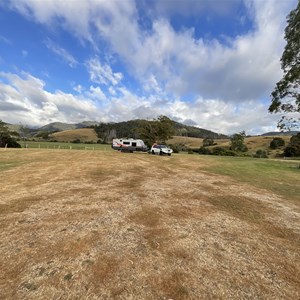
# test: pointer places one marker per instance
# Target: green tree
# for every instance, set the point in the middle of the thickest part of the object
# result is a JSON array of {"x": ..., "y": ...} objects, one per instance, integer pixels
[
  {"x": 6, "y": 138},
  {"x": 286, "y": 97},
  {"x": 237, "y": 142},
  {"x": 44, "y": 134},
  {"x": 148, "y": 132},
  {"x": 156, "y": 131},
  {"x": 260, "y": 154},
  {"x": 293, "y": 149},
  {"x": 277, "y": 142},
  {"x": 165, "y": 129},
  {"x": 208, "y": 142}
]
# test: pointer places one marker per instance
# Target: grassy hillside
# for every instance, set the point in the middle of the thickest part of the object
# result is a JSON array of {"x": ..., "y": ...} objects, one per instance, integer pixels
[
  {"x": 253, "y": 143},
  {"x": 59, "y": 126},
  {"x": 83, "y": 134}
]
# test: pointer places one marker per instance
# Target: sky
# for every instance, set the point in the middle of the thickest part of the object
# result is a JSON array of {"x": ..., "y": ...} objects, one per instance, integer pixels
[{"x": 206, "y": 63}]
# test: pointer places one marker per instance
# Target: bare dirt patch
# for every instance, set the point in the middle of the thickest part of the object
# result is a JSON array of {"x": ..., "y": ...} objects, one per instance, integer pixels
[{"x": 106, "y": 225}]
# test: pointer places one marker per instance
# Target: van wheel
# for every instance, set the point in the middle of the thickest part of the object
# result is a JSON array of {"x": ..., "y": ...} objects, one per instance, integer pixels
[
  {"x": 169, "y": 154},
  {"x": 153, "y": 152}
]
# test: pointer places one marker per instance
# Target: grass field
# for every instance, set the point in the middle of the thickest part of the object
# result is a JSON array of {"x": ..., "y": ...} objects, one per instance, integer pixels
[{"x": 109, "y": 225}]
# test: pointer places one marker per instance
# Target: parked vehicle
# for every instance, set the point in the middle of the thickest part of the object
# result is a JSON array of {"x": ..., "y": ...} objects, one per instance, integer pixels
[
  {"x": 161, "y": 150},
  {"x": 129, "y": 145}
]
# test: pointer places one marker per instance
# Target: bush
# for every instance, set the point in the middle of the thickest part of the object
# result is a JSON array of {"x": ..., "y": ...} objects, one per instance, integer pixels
[
  {"x": 190, "y": 151},
  {"x": 208, "y": 142},
  {"x": 260, "y": 154},
  {"x": 292, "y": 151},
  {"x": 277, "y": 142},
  {"x": 203, "y": 150},
  {"x": 218, "y": 151},
  {"x": 177, "y": 147},
  {"x": 44, "y": 134}
]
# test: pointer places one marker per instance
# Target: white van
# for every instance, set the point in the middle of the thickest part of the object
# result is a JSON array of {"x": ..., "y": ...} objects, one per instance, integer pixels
[{"x": 129, "y": 145}]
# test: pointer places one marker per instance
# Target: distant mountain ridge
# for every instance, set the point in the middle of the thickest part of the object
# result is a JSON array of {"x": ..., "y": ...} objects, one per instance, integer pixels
[
  {"x": 122, "y": 129},
  {"x": 59, "y": 126},
  {"x": 126, "y": 128},
  {"x": 274, "y": 133}
]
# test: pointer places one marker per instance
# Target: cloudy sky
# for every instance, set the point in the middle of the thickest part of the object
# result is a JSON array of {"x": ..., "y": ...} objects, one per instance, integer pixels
[{"x": 209, "y": 63}]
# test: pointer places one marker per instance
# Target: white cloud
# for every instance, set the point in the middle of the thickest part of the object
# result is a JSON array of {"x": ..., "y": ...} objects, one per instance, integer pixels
[
  {"x": 244, "y": 69},
  {"x": 65, "y": 55},
  {"x": 78, "y": 88},
  {"x": 102, "y": 73},
  {"x": 228, "y": 80},
  {"x": 96, "y": 93},
  {"x": 25, "y": 99},
  {"x": 5, "y": 40}
]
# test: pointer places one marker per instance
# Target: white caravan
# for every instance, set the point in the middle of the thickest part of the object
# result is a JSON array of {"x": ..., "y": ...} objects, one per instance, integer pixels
[{"x": 129, "y": 145}]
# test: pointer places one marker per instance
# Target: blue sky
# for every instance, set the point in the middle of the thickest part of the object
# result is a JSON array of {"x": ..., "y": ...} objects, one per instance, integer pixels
[{"x": 208, "y": 63}]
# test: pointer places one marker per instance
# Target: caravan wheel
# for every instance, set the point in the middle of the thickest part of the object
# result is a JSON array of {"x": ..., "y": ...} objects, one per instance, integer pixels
[{"x": 153, "y": 152}]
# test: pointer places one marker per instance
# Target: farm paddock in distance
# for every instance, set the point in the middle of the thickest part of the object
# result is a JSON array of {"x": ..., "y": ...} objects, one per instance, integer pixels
[{"x": 96, "y": 224}]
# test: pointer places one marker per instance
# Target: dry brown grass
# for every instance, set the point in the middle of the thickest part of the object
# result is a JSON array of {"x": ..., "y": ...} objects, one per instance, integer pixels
[
  {"x": 253, "y": 143},
  {"x": 83, "y": 134},
  {"x": 107, "y": 225}
]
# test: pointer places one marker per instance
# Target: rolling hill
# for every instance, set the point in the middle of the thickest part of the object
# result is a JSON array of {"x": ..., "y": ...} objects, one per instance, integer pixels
[
  {"x": 253, "y": 143},
  {"x": 82, "y": 134},
  {"x": 59, "y": 126}
]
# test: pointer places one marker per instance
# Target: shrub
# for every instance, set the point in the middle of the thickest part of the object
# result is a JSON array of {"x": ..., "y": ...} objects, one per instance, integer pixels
[
  {"x": 178, "y": 147},
  {"x": 208, "y": 142},
  {"x": 293, "y": 149},
  {"x": 277, "y": 142},
  {"x": 190, "y": 151},
  {"x": 203, "y": 150},
  {"x": 260, "y": 154}
]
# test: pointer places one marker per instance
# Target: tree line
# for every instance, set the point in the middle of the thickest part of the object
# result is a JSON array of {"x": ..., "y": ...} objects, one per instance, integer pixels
[{"x": 151, "y": 130}]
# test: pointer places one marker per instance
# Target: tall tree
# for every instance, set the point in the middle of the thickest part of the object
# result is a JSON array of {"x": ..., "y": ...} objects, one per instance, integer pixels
[
  {"x": 286, "y": 97},
  {"x": 237, "y": 142},
  {"x": 6, "y": 138},
  {"x": 156, "y": 131}
]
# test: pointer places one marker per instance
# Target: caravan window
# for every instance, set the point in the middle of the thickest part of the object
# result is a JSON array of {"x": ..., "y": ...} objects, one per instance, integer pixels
[
  {"x": 133, "y": 144},
  {"x": 126, "y": 143}
]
